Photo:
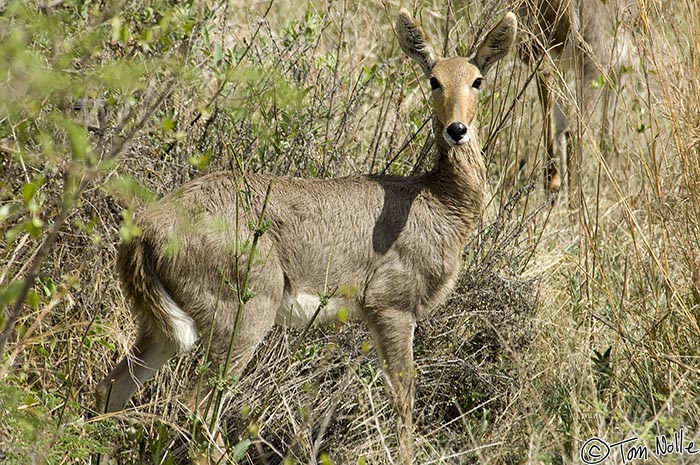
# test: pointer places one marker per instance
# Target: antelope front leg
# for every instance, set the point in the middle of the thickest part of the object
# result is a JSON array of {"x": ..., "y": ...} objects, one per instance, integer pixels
[
  {"x": 393, "y": 334},
  {"x": 552, "y": 168}
]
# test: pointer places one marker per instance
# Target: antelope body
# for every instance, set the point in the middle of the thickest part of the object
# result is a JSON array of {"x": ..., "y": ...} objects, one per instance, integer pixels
[
  {"x": 386, "y": 248},
  {"x": 578, "y": 35}
]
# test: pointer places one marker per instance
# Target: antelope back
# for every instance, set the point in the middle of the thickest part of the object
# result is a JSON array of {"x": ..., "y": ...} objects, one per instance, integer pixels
[{"x": 559, "y": 26}]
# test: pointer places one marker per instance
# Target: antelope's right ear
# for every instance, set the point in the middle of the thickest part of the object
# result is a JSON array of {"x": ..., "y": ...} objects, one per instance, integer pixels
[
  {"x": 497, "y": 43},
  {"x": 413, "y": 41}
]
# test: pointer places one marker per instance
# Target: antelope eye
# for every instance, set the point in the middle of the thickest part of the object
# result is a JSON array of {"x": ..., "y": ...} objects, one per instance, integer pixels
[
  {"x": 477, "y": 83},
  {"x": 434, "y": 83}
]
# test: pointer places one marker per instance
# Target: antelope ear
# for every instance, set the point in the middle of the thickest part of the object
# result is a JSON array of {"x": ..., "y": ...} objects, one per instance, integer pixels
[
  {"x": 497, "y": 43},
  {"x": 414, "y": 42}
]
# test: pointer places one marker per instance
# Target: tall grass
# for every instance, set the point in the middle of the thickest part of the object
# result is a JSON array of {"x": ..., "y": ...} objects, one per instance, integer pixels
[{"x": 565, "y": 325}]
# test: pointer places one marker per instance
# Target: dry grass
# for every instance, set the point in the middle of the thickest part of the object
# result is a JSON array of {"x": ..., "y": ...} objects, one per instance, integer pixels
[{"x": 512, "y": 369}]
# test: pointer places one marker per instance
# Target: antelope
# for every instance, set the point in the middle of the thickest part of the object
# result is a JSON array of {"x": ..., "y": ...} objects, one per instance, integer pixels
[
  {"x": 392, "y": 244},
  {"x": 574, "y": 34}
]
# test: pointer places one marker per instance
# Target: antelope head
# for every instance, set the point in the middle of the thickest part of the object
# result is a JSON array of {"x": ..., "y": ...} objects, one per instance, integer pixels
[{"x": 455, "y": 81}]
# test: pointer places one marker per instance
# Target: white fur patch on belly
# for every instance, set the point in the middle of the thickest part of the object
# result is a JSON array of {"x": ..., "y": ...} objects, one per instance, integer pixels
[{"x": 298, "y": 310}]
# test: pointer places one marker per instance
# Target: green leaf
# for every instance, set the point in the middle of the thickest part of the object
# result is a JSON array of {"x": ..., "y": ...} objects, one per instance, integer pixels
[
  {"x": 240, "y": 450},
  {"x": 120, "y": 30},
  {"x": 201, "y": 162},
  {"x": 167, "y": 124},
  {"x": 598, "y": 83},
  {"x": 117, "y": 24},
  {"x": 47, "y": 285},
  {"x": 218, "y": 53},
  {"x": 30, "y": 189},
  {"x": 34, "y": 227},
  {"x": 10, "y": 293},
  {"x": 33, "y": 299},
  {"x": 42, "y": 351},
  {"x": 78, "y": 138},
  {"x": 7, "y": 210},
  {"x": 12, "y": 233},
  {"x": 129, "y": 188},
  {"x": 367, "y": 74},
  {"x": 128, "y": 230},
  {"x": 247, "y": 294},
  {"x": 366, "y": 347}
]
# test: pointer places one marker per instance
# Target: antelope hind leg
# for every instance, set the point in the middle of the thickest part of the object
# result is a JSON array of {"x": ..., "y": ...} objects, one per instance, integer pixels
[
  {"x": 148, "y": 354},
  {"x": 257, "y": 319}
]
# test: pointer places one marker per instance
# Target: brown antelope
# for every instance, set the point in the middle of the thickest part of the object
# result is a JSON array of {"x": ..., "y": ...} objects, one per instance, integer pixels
[
  {"x": 392, "y": 245},
  {"x": 575, "y": 34}
]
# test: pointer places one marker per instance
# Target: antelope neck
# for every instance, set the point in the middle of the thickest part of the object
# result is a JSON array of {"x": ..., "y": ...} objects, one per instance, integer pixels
[{"x": 459, "y": 181}]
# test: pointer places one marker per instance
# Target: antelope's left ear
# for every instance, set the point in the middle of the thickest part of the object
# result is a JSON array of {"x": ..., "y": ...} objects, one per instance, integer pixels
[
  {"x": 414, "y": 42},
  {"x": 497, "y": 43}
]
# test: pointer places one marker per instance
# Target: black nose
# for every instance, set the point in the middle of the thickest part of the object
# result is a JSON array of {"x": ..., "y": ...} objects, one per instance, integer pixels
[{"x": 456, "y": 131}]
